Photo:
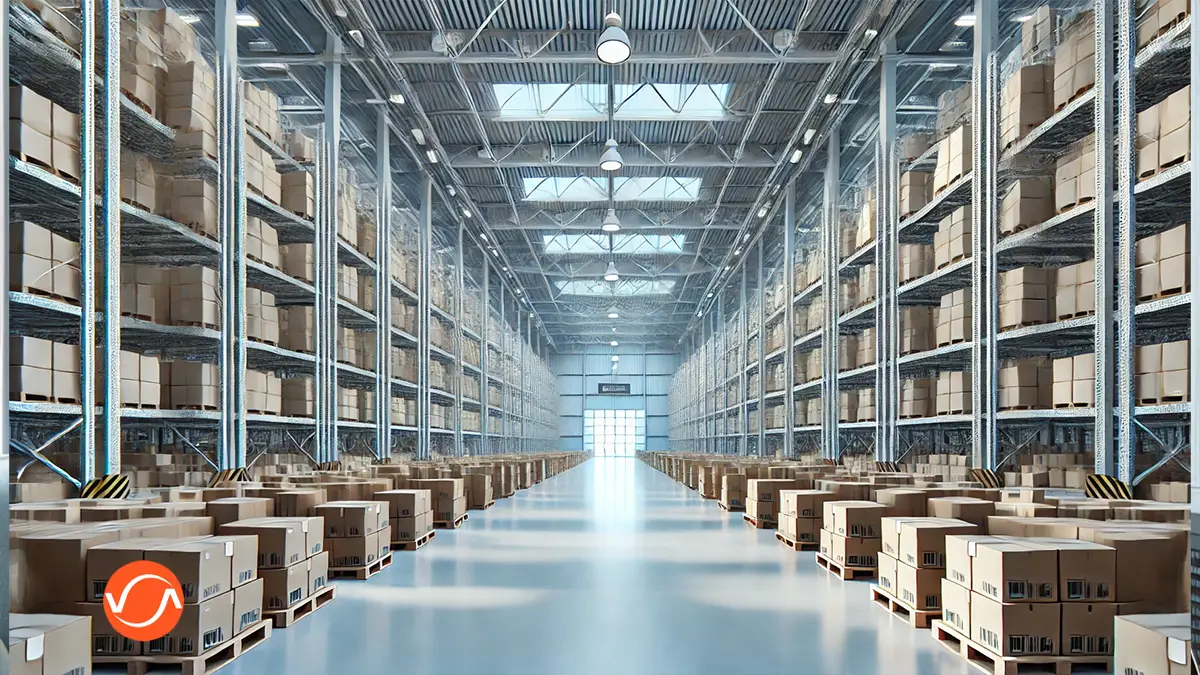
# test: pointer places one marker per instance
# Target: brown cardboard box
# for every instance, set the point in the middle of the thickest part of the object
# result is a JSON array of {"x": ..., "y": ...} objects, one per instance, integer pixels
[
  {"x": 923, "y": 541},
  {"x": 1152, "y": 643},
  {"x": 854, "y": 552},
  {"x": 888, "y": 579},
  {"x": 202, "y": 567},
  {"x": 956, "y": 606},
  {"x": 202, "y": 627},
  {"x": 105, "y": 639},
  {"x": 49, "y": 643},
  {"x": 242, "y": 553},
  {"x": 247, "y": 605},
  {"x": 286, "y": 586},
  {"x": 968, "y": 509},
  {"x": 903, "y": 502},
  {"x": 60, "y": 559},
  {"x": 411, "y": 528},
  {"x": 1015, "y": 571},
  {"x": 889, "y": 527},
  {"x": 857, "y": 518},
  {"x": 1146, "y": 562},
  {"x": 406, "y": 503},
  {"x": 231, "y": 509},
  {"x": 298, "y": 502},
  {"x": 919, "y": 588},
  {"x": 1087, "y": 571},
  {"x": 105, "y": 559},
  {"x": 804, "y": 503},
  {"x": 352, "y": 551},
  {"x": 1087, "y": 628},
  {"x": 1021, "y": 629},
  {"x": 318, "y": 572},
  {"x": 280, "y": 542},
  {"x": 799, "y": 528},
  {"x": 353, "y": 518}
]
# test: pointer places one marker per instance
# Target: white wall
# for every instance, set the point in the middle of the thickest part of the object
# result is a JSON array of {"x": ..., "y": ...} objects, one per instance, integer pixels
[{"x": 647, "y": 372}]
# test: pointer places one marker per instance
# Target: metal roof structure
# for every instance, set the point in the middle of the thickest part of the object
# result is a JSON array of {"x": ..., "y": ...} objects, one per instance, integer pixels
[{"x": 507, "y": 105}]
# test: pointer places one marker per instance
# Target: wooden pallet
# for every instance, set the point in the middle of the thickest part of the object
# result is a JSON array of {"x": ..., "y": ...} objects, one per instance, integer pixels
[
  {"x": 485, "y": 507},
  {"x": 796, "y": 545},
  {"x": 202, "y": 664},
  {"x": 361, "y": 573},
  {"x": 951, "y": 342},
  {"x": 1075, "y": 96},
  {"x": 196, "y": 407},
  {"x": 846, "y": 573},
  {"x": 731, "y": 509},
  {"x": 43, "y": 293},
  {"x": 450, "y": 524},
  {"x": 413, "y": 545},
  {"x": 760, "y": 523},
  {"x": 1081, "y": 202},
  {"x": 286, "y": 617},
  {"x": 989, "y": 662},
  {"x": 918, "y": 618}
]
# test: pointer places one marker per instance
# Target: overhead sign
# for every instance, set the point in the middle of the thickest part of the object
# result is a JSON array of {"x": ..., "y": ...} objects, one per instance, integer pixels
[{"x": 612, "y": 389}]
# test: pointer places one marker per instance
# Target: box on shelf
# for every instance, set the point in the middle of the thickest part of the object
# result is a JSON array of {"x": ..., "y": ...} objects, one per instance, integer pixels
[
  {"x": 1074, "y": 381},
  {"x": 1028, "y": 202},
  {"x": 1025, "y": 296},
  {"x": 1026, "y": 102}
]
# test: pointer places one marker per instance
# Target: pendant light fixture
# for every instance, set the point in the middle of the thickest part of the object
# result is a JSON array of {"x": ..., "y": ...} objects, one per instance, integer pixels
[
  {"x": 613, "y": 313},
  {"x": 611, "y": 159},
  {"x": 611, "y": 223},
  {"x": 611, "y": 273},
  {"x": 613, "y": 46}
]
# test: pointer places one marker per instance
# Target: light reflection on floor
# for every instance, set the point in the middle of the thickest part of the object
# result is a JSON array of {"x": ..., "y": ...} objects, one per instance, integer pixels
[{"x": 609, "y": 569}]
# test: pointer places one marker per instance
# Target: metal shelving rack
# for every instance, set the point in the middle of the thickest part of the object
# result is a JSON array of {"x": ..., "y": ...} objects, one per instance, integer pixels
[
  {"x": 41, "y": 61},
  {"x": 1115, "y": 428}
]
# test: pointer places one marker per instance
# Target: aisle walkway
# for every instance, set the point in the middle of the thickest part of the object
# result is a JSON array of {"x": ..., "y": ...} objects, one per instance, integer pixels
[{"x": 611, "y": 568}]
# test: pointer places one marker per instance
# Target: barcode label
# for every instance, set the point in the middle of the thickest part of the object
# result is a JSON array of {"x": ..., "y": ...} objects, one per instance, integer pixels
[
  {"x": 111, "y": 644},
  {"x": 1103, "y": 591},
  {"x": 1077, "y": 589},
  {"x": 909, "y": 597},
  {"x": 1088, "y": 644},
  {"x": 189, "y": 591},
  {"x": 958, "y": 576},
  {"x": 1018, "y": 590},
  {"x": 213, "y": 638},
  {"x": 295, "y": 596},
  {"x": 163, "y": 645},
  {"x": 318, "y": 582},
  {"x": 98, "y": 588},
  {"x": 989, "y": 638},
  {"x": 244, "y": 576},
  {"x": 933, "y": 559},
  {"x": 933, "y": 601},
  {"x": 1045, "y": 591}
]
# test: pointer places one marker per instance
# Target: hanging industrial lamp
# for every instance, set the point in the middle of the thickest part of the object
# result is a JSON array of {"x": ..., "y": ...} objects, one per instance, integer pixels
[
  {"x": 611, "y": 159},
  {"x": 611, "y": 273},
  {"x": 611, "y": 223},
  {"x": 613, "y": 314},
  {"x": 613, "y": 46}
]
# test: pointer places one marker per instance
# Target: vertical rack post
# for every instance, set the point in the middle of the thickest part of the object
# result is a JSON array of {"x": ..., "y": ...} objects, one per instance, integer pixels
[
  {"x": 231, "y": 186},
  {"x": 5, "y": 360},
  {"x": 789, "y": 316},
  {"x": 1125, "y": 400},
  {"x": 1105, "y": 239},
  {"x": 383, "y": 287},
  {"x": 502, "y": 340},
  {"x": 424, "y": 316},
  {"x": 887, "y": 316},
  {"x": 760, "y": 392},
  {"x": 484, "y": 392},
  {"x": 526, "y": 377},
  {"x": 743, "y": 349},
  {"x": 830, "y": 438},
  {"x": 88, "y": 260},
  {"x": 983, "y": 313},
  {"x": 326, "y": 251},
  {"x": 1194, "y": 347},
  {"x": 459, "y": 336}
]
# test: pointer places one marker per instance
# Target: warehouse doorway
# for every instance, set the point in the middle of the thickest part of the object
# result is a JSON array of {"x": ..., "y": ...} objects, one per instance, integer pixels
[{"x": 614, "y": 433}]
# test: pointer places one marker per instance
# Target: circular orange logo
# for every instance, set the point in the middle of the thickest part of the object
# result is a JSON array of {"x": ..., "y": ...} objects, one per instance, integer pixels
[{"x": 143, "y": 601}]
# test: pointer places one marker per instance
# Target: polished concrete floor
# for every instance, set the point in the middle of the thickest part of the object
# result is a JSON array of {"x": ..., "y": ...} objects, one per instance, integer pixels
[{"x": 611, "y": 568}]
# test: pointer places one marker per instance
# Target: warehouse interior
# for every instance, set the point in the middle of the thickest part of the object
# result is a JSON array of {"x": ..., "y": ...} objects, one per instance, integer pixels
[{"x": 586, "y": 324}]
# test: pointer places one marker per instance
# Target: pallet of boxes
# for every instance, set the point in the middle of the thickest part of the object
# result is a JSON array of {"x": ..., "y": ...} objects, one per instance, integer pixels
[
  {"x": 912, "y": 563},
  {"x": 357, "y": 538},
  {"x": 63, "y": 555},
  {"x": 800, "y": 517},
  {"x": 292, "y": 563},
  {"x": 449, "y": 500},
  {"x": 411, "y": 512}
]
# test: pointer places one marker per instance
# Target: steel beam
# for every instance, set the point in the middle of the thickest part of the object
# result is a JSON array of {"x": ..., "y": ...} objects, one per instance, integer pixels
[
  {"x": 760, "y": 319},
  {"x": 1194, "y": 417},
  {"x": 383, "y": 286},
  {"x": 887, "y": 316},
  {"x": 789, "y": 319},
  {"x": 484, "y": 365},
  {"x": 536, "y": 155},
  {"x": 6, "y": 359},
  {"x": 744, "y": 351},
  {"x": 502, "y": 340},
  {"x": 1105, "y": 232},
  {"x": 830, "y": 438},
  {"x": 983, "y": 314},
  {"x": 424, "y": 317},
  {"x": 1123, "y": 398},
  {"x": 231, "y": 186},
  {"x": 326, "y": 253},
  {"x": 458, "y": 349}
]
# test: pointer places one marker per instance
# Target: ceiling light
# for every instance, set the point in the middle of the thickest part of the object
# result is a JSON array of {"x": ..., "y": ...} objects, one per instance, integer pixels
[
  {"x": 611, "y": 222},
  {"x": 710, "y": 294},
  {"x": 699, "y": 314},
  {"x": 615, "y": 358},
  {"x": 1023, "y": 18},
  {"x": 965, "y": 21},
  {"x": 870, "y": 33},
  {"x": 397, "y": 98},
  {"x": 796, "y": 155},
  {"x": 611, "y": 273},
  {"x": 611, "y": 159},
  {"x": 942, "y": 66},
  {"x": 614, "y": 329},
  {"x": 612, "y": 312},
  {"x": 466, "y": 212},
  {"x": 808, "y": 136},
  {"x": 484, "y": 237},
  {"x": 614, "y": 343},
  {"x": 246, "y": 20},
  {"x": 451, "y": 190},
  {"x": 519, "y": 291},
  {"x": 503, "y": 269},
  {"x": 737, "y": 251},
  {"x": 762, "y": 213},
  {"x": 273, "y": 66},
  {"x": 189, "y": 18},
  {"x": 532, "y": 315},
  {"x": 495, "y": 253},
  {"x": 830, "y": 99},
  {"x": 419, "y": 136},
  {"x": 432, "y": 156},
  {"x": 613, "y": 46}
]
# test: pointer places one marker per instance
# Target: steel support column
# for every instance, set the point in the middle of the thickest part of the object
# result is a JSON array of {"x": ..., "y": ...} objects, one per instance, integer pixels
[
  {"x": 326, "y": 251},
  {"x": 526, "y": 437},
  {"x": 887, "y": 316},
  {"x": 5, "y": 359},
  {"x": 1123, "y": 399},
  {"x": 424, "y": 316},
  {"x": 789, "y": 319},
  {"x": 484, "y": 391},
  {"x": 1194, "y": 438},
  {"x": 502, "y": 340},
  {"x": 760, "y": 391},
  {"x": 383, "y": 287},
  {"x": 231, "y": 187},
  {"x": 743, "y": 341},
  {"x": 1105, "y": 232},
  {"x": 460, "y": 335},
  {"x": 983, "y": 196},
  {"x": 830, "y": 438}
]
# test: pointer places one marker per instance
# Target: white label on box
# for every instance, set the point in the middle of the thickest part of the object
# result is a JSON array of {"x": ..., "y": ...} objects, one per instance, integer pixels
[
  {"x": 35, "y": 648},
  {"x": 971, "y": 549},
  {"x": 1177, "y": 651},
  {"x": 229, "y": 549}
]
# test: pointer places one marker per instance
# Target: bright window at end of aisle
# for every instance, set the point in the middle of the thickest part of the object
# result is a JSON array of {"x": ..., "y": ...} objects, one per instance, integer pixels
[{"x": 614, "y": 433}]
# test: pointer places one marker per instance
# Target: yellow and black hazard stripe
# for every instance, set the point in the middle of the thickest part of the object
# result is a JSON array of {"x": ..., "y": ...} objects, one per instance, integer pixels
[
  {"x": 229, "y": 476},
  {"x": 987, "y": 478},
  {"x": 1106, "y": 487},
  {"x": 329, "y": 466},
  {"x": 112, "y": 486},
  {"x": 887, "y": 467},
  {"x": 829, "y": 462}
]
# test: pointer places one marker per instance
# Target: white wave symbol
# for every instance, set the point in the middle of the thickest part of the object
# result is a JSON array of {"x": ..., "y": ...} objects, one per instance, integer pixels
[{"x": 118, "y": 606}]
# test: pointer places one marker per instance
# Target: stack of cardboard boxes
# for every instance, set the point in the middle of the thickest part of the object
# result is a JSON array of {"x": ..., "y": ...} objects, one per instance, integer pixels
[
  {"x": 953, "y": 159},
  {"x": 762, "y": 497},
  {"x": 194, "y": 297},
  {"x": 264, "y": 393},
  {"x": 410, "y": 513},
  {"x": 262, "y": 177},
  {"x": 298, "y": 195},
  {"x": 348, "y": 283},
  {"x": 733, "y": 491},
  {"x": 1075, "y": 175},
  {"x": 916, "y": 398},
  {"x": 296, "y": 328},
  {"x": 1025, "y": 297},
  {"x": 850, "y": 532},
  {"x": 1027, "y": 101},
  {"x": 954, "y": 109},
  {"x": 1075, "y": 381},
  {"x": 49, "y": 643},
  {"x": 866, "y": 405},
  {"x": 916, "y": 189},
  {"x": 357, "y": 533},
  {"x": 916, "y": 260},
  {"x": 1164, "y": 134},
  {"x": 141, "y": 379},
  {"x": 146, "y": 293},
  {"x": 916, "y": 329},
  {"x": 298, "y": 260},
  {"x": 914, "y": 145},
  {"x": 262, "y": 316},
  {"x": 1153, "y": 643},
  {"x": 42, "y": 133},
  {"x": 190, "y": 98},
  {"x": 1026, "y": 385},
  {"x": 912, "y": 561},
  {"x": 1075, "y": 59},
  {"x": 261, "y": 108},
  {"x": 262, "y": 243},
  {"x": 348, "y": 404},
  {"x": 347, "y": 209},
  {"x": 449, "y": 498},
  {"x": 1037, "y": 34},
  {"x": 1028, "y": 202},
  {"x": 866, "y": 285},
  {"x": 1163, "y": 261},
  {"x": 478, "y": 486},
  {"x": 291, "y": 561},
  {"x": 43, "y": 371},
  {"x": 954, "y": 318},
  {"x": 1075, "y": 290},
  {"x": 139, "y": 180},
  {"x": 42, "y": 263},
  {"x": 952, "y": 241},
  {"x": 848, "y": 406},
  {"x": 193, "y": 385},
  {"x": 954, "y": 393},
  {"x": 865, "y": 353},
  {"x": 1163, "y": 373},
  {"x": 864, "y": 233},
  {"x": 801, "y": 513}
]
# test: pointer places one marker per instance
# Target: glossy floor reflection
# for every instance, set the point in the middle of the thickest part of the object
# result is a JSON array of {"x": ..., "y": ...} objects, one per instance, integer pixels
[{"x": 611, "y": 568}]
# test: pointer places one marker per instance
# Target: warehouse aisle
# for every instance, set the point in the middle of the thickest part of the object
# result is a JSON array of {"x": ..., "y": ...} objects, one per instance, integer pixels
[{"x": 611, "y": 568}]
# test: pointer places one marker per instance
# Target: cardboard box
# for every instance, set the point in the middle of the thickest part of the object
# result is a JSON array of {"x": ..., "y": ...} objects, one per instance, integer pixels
[
  {"x": 1021, "y": 629},
  {"x": 284, "y": 587},
  {"x": 1087, "y": 571},
  {"x": 318, "y": 572},
  {"x": 232, "y": 509},
  {"x": 919, "y": 588},
  {"x": 923, "y": 541},
  {"x": 854, "y": 552},
  {"x": 411, "y": 528},
  {"x": 202, "y": 627},
  {"x": 247, "y": 605},
  {"x": 280, "y": 542},
  {"x": 956, "y": 606},
  {"x": 49, "y": 643},
  {"x": 60, "y": 558},
  {"x": 406, "y": 503},
  {"x": 857, "y": 518},
  {"x": 242, "y": 553},
  {"x": 1087, "y": 628},
  {"x": 1015, "y": 571},
  {"x": 353, "y": 518},
  {"x": 888, "y": 579},
  {"x": 1152, "y": 643},
  {"x": 203, "y": 569}
]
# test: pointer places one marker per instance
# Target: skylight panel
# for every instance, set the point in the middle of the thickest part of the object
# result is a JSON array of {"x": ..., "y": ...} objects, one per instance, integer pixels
[
  {"x": 585, "y": 102},
  {"x": 634, "y": 244},
  {"x": 592, "y": 189},
  {"x": 625, "y": 288}
]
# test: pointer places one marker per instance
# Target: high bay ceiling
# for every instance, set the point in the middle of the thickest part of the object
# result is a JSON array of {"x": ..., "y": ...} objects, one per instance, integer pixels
[{"x": 506, "y": 103}]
